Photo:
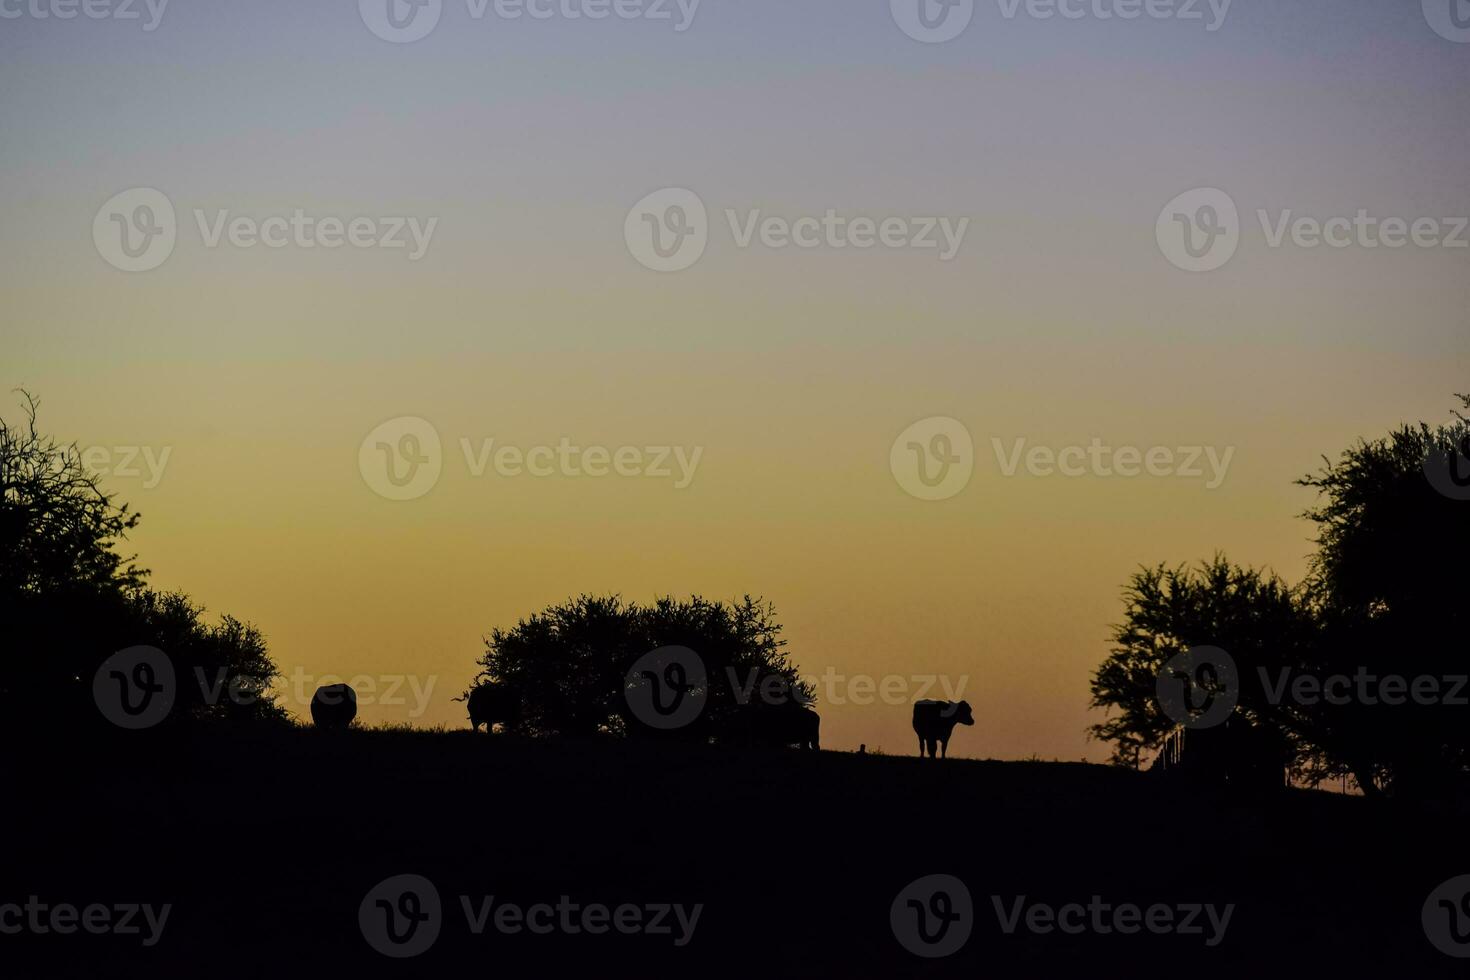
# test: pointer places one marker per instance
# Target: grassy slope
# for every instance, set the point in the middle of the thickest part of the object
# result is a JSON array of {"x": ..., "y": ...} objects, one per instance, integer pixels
[{"x": 267, "y": 844}]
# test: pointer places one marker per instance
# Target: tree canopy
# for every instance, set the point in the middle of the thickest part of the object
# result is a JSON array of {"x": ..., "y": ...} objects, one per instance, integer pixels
[
  {"x": 569, "y": 664},
  {"x": 1384, "y": 598},
  {"x": 69, "y": 599}
]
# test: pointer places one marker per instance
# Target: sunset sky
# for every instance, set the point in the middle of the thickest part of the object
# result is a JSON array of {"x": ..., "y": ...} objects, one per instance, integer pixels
[{"x": 529, "y": 319}]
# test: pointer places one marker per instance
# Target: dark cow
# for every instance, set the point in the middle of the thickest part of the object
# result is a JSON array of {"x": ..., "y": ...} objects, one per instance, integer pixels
[
  {"x": 333, "y": 706},
  {"x": 934, "y": 723},
  {"x": 778, "y": 725},
  {"x": 491, "y": 703}
]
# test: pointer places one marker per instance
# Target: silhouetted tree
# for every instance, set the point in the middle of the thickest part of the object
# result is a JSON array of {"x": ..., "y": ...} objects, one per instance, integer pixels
[
  {"x": 69, "y": 599},
  {"x": 1250, "y": 613},
  {"x": 568, "y": 665},
  {"x": 1389, "y": 586},
  {"x": 1386, "y": 597}
]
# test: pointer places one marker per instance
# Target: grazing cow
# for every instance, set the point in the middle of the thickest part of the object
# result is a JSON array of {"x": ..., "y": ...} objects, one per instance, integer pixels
[
  {"x": 491, "y": 703},
  {"x": 778, "y": 725},
  {"x": 333, "y": 706},
  {"x": 934, "y": 723}
]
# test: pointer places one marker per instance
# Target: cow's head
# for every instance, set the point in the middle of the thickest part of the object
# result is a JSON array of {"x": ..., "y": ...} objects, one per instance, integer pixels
[{"x": 961, "y": 713}]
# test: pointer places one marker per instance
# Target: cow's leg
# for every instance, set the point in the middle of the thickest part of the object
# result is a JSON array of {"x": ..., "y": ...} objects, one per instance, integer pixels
[{"x": 944, "y": 748}]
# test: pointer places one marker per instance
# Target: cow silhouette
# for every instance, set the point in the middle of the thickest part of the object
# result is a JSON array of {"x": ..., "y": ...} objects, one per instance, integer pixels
[
  {"x": 934, "y": 723},
  {"x": 333, "y": 706},
  {"x": 778, "y": 724},
  {"x": 490, "y": 703}
]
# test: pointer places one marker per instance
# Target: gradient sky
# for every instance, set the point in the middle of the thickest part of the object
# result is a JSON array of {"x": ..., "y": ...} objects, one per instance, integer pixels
[{"x": 528, "y": 320}]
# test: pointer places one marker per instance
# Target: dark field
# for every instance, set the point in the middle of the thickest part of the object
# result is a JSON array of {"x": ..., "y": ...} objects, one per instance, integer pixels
[{"x": 267, "y": 845}]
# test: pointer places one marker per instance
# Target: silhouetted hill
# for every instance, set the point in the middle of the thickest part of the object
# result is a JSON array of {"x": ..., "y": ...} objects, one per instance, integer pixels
[{"x": 266, "y": 845}]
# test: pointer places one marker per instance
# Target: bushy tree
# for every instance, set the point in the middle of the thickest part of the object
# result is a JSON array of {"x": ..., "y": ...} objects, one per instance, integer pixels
[
  {"x": 69, "y": 599},
  {"x": 1250, "y": 613},
  {"x": 1386, "y": 597},
  {"x": 568, "y": 664},
  {"x": 1389, "y": 586}
]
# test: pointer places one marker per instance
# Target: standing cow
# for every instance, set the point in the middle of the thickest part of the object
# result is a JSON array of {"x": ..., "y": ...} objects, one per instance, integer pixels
[
  {"x": 333, "y": 706},
  {"x": 934, "y": 723},
  {"x": 491, "y": 703}
]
